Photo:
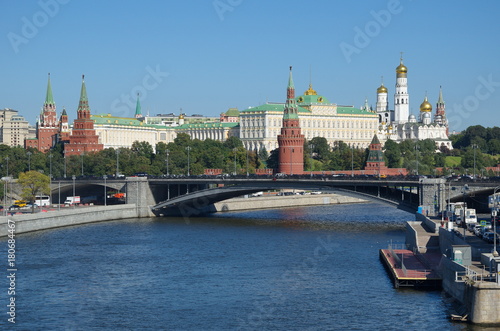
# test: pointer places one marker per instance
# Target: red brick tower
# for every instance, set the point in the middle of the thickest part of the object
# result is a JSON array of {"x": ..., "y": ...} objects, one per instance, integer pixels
[
  {"x": 64, "y": 130},
  {"x": 375, "y": 162},
  {"x": 47, "y": 126},
  {"x": 83, "y": 138},
  {"x": 291, "y": 141}
]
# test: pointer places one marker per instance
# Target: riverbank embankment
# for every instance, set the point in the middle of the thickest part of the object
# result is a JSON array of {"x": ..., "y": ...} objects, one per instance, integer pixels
[
  {"x": 272, "y": 201},
  {"x": 23, "y": 223}
]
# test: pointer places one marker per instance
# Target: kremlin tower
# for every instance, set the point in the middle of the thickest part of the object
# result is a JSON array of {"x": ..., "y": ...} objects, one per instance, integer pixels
[
  {"x": 83, "y": 138},
  {"x": 291, "y": 141},
  {"x": 47, "y": 126}
]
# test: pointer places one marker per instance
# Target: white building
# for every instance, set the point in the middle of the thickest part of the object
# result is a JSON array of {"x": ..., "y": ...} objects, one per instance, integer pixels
[
  {"x": 399, "y": 125},
  {"x": 260, "y": 126}
]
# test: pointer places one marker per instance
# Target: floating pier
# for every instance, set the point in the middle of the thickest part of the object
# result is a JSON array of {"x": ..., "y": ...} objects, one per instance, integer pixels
[{"x": 408, "y": 270}]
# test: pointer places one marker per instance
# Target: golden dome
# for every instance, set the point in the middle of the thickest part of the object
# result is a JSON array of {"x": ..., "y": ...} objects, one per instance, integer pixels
[
  {"x": 382, "y": 89},
  {"x": 426, "y": 106},
  {"x": 310, "y": 91},
  {"x": 401, "y": 69}
]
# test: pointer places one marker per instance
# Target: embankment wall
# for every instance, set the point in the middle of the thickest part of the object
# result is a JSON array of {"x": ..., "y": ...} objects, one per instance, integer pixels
[{"x": 67, "y": 217}]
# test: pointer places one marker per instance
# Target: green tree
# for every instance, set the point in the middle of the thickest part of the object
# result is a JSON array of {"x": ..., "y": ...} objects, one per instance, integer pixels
[
  {"x": 392, "y": 154},
  {"x": 32, "y": 184}
]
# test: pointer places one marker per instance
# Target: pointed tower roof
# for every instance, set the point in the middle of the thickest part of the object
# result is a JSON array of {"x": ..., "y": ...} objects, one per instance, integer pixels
[
  {"x": 290, "y": 79},
  {"x": 440, "y": 99},
  {"x": 291, "y": 109},
  {"x": 375, "y": 140},
  {"x": 64, "y": 112},
  {"x": 83, "y": 104},
  {"x": 49, "y": 99},
  {"x": 138, "y": 108}
]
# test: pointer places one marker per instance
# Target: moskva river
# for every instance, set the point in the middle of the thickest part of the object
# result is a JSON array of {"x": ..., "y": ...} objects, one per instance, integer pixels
[{"x": 314, "y": 268}]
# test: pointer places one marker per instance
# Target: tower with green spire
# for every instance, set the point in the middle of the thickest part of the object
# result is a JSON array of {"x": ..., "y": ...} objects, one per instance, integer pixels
[
  {"x": 138, "y": 113},
  {"x": 83, "y": 138},
  {"x": 47, "y": 125},
  {"x": 291, "y": 140}
]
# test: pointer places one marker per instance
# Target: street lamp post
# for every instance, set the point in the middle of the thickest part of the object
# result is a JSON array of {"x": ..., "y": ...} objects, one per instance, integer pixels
[
  {"x": 416, "y": 157},
  {"x": 464, "y": 192},
  {"x": 7, "y": 159},
  {"x": 82, "y": 163},
  {"x": 50, "y": 165},
  {"x": 474, "y": 146},
  {"x": 117, "y": 169},
  {"x": 188, "y": 149},
  {"x": 247, "y": 162},
  {"x": 352, "y": 159},
  {"x": 105, "y": 194},
  {"x": 29, "y": 160},
  {"x": 311, "y": 147},
  {"x": 64, "y": 152},
  {"x": 8, "y": 180},
  {"x": 494, "y": 214},
  {"x": 168, "y": 153},
  {"x": 73, "y": 177},
  {"x": 235, "y": 150}
]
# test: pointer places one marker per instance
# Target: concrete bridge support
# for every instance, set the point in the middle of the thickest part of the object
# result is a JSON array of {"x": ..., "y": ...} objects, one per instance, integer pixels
[
  {"x": 432, "y": 195},
  {"x": 139, "y": 193}
]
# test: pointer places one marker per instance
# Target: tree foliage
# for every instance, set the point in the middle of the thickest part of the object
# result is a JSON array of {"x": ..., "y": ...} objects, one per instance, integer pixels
[{"x": 33, "y": 183}]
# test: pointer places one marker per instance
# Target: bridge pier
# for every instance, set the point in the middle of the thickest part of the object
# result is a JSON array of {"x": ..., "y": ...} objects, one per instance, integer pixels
[
  {"x": 139, "y": 193},
  {"x": 432, "y": 195}
]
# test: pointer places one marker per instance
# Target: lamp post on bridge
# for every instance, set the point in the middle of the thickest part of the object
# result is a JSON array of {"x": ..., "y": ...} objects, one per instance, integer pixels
[
  {"x": 73, "y": 177},
  {"x": 117, "y": 169},
  {"x": 167, "y": 152},
  {"x": 105, "y": 191},
  {"x": 494, "y": 214},
  {"x": 235, "y": 150},
  {"x": 464, "y": 192},
  {"x": 188, "y": 149}
]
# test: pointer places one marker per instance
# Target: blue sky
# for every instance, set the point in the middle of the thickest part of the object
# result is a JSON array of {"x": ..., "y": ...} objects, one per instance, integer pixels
[{"x": 206, "y": 56}]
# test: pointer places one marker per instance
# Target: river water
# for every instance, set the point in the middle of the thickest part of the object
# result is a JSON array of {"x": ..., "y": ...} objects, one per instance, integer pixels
[{"x": 311, "y": 268}]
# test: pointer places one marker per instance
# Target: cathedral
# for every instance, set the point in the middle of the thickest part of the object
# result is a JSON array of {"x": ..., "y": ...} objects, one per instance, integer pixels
[{"x": 399, "y": 124}]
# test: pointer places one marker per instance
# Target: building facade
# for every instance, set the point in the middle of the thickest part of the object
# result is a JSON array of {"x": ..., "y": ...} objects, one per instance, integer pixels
[{"x": 14, "y": 129}]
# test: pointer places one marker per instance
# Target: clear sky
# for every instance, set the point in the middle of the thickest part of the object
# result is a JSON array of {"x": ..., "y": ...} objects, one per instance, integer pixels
[{"x": 206, "y": 56}]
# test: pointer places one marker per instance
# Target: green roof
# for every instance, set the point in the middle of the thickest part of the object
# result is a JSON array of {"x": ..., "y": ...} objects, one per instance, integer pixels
[
  {"x": 343, "y": 110},
  {"x": 208, "y": 125},
  {"x": 312, "y": 99},
  {"x": 278, "y": 107},
  {"x": 103, "y": 119},
  {"x": 233, "y": 112}
]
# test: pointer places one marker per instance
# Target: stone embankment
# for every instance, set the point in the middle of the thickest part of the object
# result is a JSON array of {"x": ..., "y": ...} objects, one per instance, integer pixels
[
  {"x": 65, "y": 217},
  {"x": 268, "y": 202}
]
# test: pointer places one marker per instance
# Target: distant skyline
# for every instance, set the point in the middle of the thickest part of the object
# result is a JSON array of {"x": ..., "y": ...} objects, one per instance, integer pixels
[{"x": 211, "y": 55}]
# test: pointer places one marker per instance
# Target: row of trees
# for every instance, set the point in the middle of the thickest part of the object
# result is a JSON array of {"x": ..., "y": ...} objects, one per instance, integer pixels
[{"x": 185, "y": 155}]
